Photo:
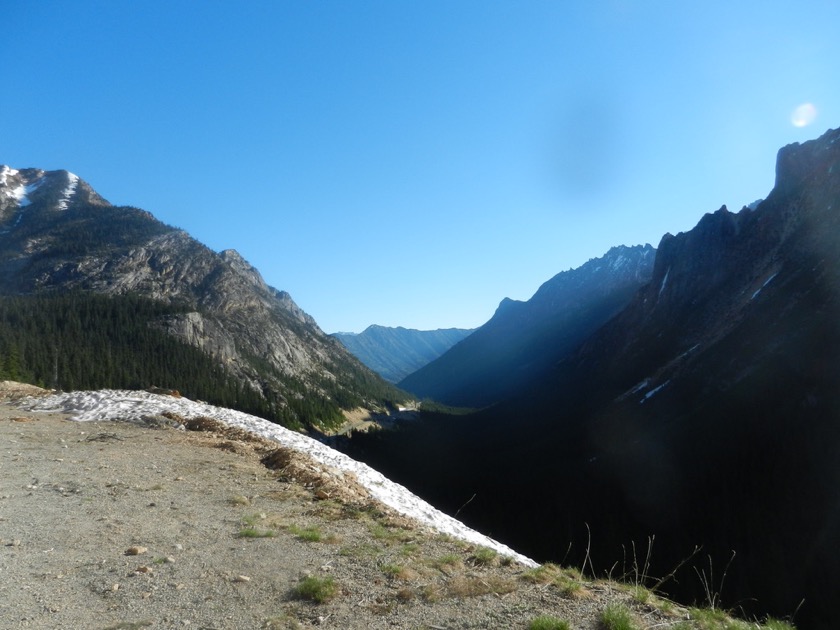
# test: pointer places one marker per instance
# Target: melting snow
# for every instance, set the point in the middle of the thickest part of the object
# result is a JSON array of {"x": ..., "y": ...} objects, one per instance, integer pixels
[
  {"x": 664, "y": 281},
  {"x": 20, "y": 193},
  {"x": 766, "y": 282},
  {"x": 23, "y": 192},
  {"x": 134, "y": 405},
  {"x": 73, "y": 181},
  {"x": 4, "y": 173},
  {"x": 653, "y": 391}
]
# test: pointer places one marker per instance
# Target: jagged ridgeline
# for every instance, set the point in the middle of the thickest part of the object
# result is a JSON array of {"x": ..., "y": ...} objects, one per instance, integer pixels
[{"x": 95, "y": 295}]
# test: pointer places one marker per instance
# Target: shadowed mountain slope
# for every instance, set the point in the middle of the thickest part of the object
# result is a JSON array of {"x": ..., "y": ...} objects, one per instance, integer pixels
[
  {"x": 524, "y": 339},
  {"x": 705, "y": 415}
]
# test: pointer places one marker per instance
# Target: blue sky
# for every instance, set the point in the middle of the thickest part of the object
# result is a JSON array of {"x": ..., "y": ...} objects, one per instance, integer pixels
[{"x": 413, "y": 163}]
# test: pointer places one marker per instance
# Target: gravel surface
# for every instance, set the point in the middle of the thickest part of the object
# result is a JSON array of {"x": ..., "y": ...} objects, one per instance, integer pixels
[{"x": 119, "y": 525}]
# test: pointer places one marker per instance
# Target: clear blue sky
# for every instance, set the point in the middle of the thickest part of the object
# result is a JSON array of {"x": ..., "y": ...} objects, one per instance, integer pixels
[{"x": 412, "y": 163}]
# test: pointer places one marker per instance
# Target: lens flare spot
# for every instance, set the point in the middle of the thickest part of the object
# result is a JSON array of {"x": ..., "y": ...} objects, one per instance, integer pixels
[{"x": 803, "y": 115}]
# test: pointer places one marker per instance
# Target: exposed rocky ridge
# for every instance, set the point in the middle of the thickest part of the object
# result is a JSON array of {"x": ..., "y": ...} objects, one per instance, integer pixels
[
  {"x": 57, "y": 234},
  {"x": 394, "y": 353},
  {"x": 523, "y": 339}
]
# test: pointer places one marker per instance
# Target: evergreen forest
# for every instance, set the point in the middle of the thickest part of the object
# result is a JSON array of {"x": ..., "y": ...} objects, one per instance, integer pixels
[{"x": 81, "y": 340}]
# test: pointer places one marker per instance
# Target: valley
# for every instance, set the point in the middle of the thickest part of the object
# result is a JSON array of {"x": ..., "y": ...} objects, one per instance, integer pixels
[
  {"x": 698, "y": 424},
  {"x": 675, "y": 407}
]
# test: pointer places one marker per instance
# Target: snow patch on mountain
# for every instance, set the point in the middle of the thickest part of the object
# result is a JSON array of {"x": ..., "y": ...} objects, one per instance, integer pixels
[
  {"x": 664, "y": 282},
  {"x": 69, "y": 191},
  {"x": 5, "y": 171},
  {"x": 766, "y": 282},
  {"x": 106, "y": 405},
  {"x": 653, "y": 392}
]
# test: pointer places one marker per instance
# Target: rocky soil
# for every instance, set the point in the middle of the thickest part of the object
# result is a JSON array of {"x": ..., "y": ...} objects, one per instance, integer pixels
[{"x": 116, "y": 526}]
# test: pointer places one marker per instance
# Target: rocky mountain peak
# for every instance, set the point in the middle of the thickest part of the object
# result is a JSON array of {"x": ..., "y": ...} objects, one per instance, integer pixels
[
  {"x": 798, "y": 162},
  {"x": 57, "y": 234},
  {"x": 54, "y": 190}
]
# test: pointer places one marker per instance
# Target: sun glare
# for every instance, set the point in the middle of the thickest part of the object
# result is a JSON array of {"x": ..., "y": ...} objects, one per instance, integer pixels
[{"x": 803, "y": 115}]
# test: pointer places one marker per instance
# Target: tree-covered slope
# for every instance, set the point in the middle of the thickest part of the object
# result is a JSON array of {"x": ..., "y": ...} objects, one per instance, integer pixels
[{"x": 58, "y": 236}]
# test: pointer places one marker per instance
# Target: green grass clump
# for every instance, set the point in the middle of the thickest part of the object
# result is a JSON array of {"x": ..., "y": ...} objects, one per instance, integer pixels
[
  {"x": 449, "y": 560},
  {"x": 398, "y": 572},
  {"x": 484, "y": 556},
  {"x": 542, "y": 574},
  {"x": 617, "y": 617},
  {"x": 307, "y": 534},
  {"x": 316, "y": 589},
  {"x": 547, "y": 622},
  {"x": 391, "y": 535},
  {"x": 717, "y": 619}
]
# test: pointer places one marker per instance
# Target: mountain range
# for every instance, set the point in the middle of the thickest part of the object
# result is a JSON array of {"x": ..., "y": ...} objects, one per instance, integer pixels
[
  {"x": 58, "y": 237},
  {"x": 394, "y": 353},
  {"x": 523, "y": 339},
  {"x": 695, "y": 432},
  {"x": 673, "y": 408}
]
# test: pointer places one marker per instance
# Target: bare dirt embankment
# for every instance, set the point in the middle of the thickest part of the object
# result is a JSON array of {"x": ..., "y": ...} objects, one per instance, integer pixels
[{"x": 116, "y": 525}]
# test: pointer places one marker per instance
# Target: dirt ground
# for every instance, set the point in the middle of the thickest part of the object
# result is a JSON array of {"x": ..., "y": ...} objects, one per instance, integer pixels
[{"x": 114, "y": 525}]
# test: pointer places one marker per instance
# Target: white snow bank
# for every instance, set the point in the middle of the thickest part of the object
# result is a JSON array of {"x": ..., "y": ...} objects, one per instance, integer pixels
[{"x": 106, "y": 405}]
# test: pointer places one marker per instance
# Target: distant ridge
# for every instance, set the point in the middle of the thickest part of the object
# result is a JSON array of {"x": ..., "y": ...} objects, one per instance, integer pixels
[
  {"x": 394, "y": 353},
  {"x": 523, "y": 339}
]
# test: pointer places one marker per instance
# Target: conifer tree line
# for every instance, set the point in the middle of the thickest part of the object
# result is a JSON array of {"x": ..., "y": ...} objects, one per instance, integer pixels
[{"x": 81, "y": 340}]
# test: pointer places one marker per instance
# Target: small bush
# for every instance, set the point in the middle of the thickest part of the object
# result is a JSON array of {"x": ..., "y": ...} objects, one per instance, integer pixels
[
  {"x": 547, "y": 622},
  {"x": 315, "y": 589}
]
